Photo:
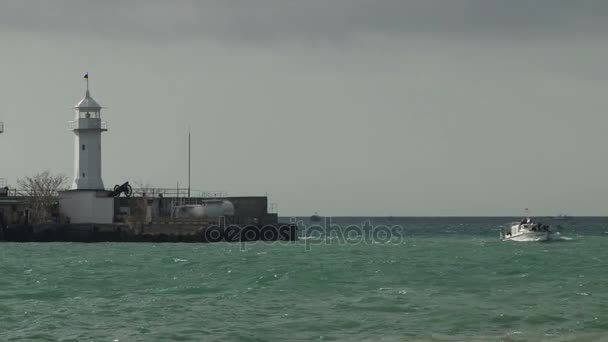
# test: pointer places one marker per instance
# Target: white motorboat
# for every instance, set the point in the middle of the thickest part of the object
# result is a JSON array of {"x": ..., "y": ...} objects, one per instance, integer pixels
[{"x": 526, "y": 230}]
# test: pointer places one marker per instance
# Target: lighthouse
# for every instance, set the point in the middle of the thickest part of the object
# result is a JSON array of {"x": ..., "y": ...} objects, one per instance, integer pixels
[
  {"x": 87, "y": 202},
  {"x": 87, "y": 128}
]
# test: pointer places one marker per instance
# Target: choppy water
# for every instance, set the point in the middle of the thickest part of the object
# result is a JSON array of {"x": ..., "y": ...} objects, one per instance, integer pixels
[{"x": 444, "y": 280}]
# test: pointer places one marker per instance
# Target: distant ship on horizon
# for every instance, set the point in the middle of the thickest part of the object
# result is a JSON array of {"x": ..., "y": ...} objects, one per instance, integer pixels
[{"x": 315, "y": 217}]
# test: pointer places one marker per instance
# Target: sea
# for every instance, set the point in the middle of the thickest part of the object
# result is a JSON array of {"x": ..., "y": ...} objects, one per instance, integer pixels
[{"x": 346, "y": 279}]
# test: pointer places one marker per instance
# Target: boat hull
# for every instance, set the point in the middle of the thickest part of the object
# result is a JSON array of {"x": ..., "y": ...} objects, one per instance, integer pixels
[{"x": 528, "y": 237}]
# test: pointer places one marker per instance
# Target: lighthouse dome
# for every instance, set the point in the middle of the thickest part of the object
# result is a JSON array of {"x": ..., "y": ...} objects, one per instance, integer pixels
[{"x": 87, "y": 104}]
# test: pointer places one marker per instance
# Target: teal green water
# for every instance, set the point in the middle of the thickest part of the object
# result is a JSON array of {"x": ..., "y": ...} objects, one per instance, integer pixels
[{"x": 441, "y": 287}]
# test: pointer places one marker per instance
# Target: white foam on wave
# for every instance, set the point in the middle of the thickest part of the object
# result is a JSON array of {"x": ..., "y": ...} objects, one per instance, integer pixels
[{"x": 558, "y": 236}]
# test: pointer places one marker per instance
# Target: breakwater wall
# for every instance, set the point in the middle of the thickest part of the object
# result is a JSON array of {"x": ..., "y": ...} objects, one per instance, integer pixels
[
  {"x": 147, "y": 233},
  {"x": 147, "y": 219}
]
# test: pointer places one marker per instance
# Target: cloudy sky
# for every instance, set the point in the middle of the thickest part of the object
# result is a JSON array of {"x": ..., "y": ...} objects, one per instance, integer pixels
[{"x": 346, "y": 107}]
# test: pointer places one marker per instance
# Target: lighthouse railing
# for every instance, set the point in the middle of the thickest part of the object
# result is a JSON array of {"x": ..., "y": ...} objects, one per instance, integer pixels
[{"x": 87, "y": 124}]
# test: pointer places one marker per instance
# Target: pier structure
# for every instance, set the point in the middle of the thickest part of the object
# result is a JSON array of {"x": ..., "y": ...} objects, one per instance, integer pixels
[{"x": 89, "y": 213}]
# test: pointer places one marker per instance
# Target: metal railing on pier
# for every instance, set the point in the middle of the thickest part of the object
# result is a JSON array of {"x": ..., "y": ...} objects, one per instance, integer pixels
[
  {"x": 6, "y": 191},
  {"x": 137, "y": 192},
  {"x": 177, "y": 192}
]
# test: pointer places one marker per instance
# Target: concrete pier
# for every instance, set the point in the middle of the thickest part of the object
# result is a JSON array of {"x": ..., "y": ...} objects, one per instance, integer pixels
[
  {"x": 147, "y": 233},
  {"x": 148, "y": 219}
]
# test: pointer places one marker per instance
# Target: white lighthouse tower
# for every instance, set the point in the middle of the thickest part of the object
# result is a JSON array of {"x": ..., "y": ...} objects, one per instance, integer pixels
[
  {"x": 87, "y": 202},
  {"x": 87, "y": 128}
]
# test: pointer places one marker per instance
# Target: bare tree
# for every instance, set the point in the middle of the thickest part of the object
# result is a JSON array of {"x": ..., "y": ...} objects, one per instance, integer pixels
[{"x": 42, "y": 191}]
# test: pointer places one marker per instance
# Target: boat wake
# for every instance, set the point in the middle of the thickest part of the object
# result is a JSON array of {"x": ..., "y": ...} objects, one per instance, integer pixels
[
  {"x": 530, "y": 239},
  {"x": 559, "y": 237}
]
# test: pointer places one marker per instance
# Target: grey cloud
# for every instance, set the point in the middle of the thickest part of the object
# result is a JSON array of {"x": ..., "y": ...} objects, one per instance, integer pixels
[{"x": 275, "y": 20}]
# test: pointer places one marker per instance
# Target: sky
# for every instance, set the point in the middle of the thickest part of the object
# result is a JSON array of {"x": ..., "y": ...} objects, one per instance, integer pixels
[{"x": 342, "y": 107}]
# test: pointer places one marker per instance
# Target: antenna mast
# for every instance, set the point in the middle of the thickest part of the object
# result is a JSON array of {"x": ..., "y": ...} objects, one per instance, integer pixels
[{"x": 189, "y": 162}]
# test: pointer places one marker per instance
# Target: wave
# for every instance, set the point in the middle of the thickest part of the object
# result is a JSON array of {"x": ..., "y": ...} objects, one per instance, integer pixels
[{"x": 559, "y": 237}]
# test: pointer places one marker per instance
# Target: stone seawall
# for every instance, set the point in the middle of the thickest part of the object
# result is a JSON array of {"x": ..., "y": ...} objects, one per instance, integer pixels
[{"x": 147, "y": 233}]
